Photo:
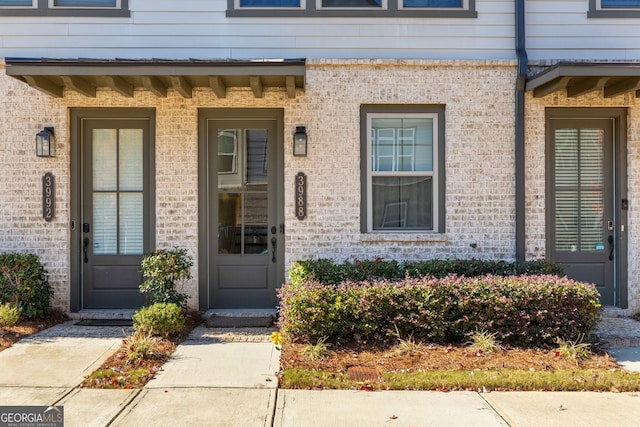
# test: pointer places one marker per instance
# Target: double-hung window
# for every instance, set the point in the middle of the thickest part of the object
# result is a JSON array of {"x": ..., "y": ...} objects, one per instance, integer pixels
[
  {"x": 614, "y": 9},
  {"x": 403, "y": 169},
  {"x": 64, "y": 7},
  {"x": 353, "y": 8}
]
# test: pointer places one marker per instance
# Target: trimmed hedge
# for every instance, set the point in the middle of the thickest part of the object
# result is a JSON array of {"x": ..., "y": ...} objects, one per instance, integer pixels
[
  {"x": 529, "y": 311},
  {"x": 327, "y": 272},
  {"x": 23, "y": 280}
]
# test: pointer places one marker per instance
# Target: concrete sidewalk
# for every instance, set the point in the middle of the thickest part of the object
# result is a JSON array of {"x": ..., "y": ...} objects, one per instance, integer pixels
[{"x": 227, "y": 378}]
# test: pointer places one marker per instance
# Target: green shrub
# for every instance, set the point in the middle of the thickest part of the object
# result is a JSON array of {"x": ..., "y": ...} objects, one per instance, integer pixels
[
  {"x": 163, "y": 269},
  {"x": 9, "y": 314},
  {"x": 525, "y": 311},
  {"x": 163, "y": 319},
  {"x": 23, "y": 280},
  {"x": 327, "y": 272}
]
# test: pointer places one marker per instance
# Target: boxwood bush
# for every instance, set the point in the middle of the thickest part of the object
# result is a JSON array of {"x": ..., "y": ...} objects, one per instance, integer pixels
[
  {"x": 528, "y": 311},
  {"x": 23, "y": 281},
  {"x": 327, "y": 272}
]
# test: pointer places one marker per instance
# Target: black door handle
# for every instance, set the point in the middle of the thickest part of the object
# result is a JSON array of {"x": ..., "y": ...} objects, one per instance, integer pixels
[
  {"x": 273, "y": 246},
  {"x": 610, "y": 239},
  {"x": 85, "y": 247}
]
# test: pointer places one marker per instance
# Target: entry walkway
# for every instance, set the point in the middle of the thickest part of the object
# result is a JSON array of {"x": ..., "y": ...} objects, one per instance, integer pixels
[{"x": 228, "y": 378}]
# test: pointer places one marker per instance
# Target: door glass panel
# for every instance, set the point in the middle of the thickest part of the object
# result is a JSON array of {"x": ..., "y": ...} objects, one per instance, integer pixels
[
  {"x": 105, "y": 158},
  {"x": 118, "y": 214},
  {"x": 105, "y": 223},
  {"x": 131, "y": 224},
  {"x": 130, "y": 159},
  {"x": 242, "y": 191},
  {"x": 579, "y": 180}
]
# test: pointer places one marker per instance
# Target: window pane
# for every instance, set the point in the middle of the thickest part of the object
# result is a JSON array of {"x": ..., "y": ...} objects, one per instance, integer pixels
[
  {"x": 352, "y": 3},
  {"x": 567, "y": 206},
  {"x": 227, "y": 151},
  {"x": 105, "y": 159},
  {"x": 402, "y": 202},
  {"x": 19, "y": 3},
  {"x": 131, "y": 220},
  {"x": 105, "y": 224},
  {"x": 269, "y": 3},
  {"x": 256, "y": 156},
  {"x": 432, "y": 3},
  {"x": 131, "y": 167},
  {"x": 404, "y": 145},
  {"x": 620, "y": 3},
  {"x": 579, "y": 179},
  {"x": 84, "y": 3}
]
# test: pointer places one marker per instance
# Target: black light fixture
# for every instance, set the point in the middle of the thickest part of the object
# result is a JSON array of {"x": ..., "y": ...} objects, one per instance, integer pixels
[
  {"x": 46, "y": 143},
  {"x": 300, "y": 142}
]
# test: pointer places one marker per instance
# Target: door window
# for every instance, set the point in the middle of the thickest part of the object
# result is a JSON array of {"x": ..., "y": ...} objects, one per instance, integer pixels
[
  {"x": 117, "y": 163},
  {"x": 242, "y": 191}
]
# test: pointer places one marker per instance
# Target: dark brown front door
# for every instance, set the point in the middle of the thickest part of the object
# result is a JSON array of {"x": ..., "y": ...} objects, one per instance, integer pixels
[{"x": 115, "y": 226}]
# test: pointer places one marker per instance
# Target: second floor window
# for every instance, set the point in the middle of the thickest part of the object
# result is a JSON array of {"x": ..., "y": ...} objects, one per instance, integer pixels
[
  {"x": 614, "y": 9},
  {"x": 619, "y": 4},
  {"x": 64, "y": 7},
  {"x": 404, "y": 8}
]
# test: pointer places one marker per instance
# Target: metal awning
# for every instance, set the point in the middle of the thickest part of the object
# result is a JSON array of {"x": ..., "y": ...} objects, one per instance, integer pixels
[
  {"x": 54, "y": 76},
  {"x": 579, "y": 78}
]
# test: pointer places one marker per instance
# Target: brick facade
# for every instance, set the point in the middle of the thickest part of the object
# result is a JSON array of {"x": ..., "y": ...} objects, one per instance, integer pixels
[{"x": 479, "y": 143}]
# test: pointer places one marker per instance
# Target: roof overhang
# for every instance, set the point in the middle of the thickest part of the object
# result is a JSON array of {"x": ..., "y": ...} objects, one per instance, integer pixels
[
  {"x": 580, "y": 78},
  {"x": 54, "y": 76}
]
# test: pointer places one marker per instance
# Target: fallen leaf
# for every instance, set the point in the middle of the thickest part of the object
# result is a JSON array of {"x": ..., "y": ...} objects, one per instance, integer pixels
[{"x": 393, "y": 417}]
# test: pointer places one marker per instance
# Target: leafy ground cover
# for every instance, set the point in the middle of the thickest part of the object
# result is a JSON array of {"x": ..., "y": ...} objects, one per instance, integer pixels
[{"x": 418, "y": 366}]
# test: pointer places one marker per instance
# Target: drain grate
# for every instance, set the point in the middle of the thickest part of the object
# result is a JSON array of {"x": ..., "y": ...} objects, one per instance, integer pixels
[{"x": 363, "y": 374}]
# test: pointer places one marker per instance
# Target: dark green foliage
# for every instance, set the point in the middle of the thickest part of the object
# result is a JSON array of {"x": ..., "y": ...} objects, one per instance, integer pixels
[
  {"x": 327, "y": 272},
  {"x": 528, "y": 311},
  {"x": 162, "y": 319},
  {"x": 23, "y": 281},
  {"x": 163, "y": 269}
]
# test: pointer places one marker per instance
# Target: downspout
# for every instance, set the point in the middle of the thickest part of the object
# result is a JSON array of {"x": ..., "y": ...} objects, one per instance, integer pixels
[{"x": 521, "y": 54}]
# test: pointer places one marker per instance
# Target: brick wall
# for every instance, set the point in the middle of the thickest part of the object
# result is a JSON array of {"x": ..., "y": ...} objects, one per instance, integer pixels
[{"x": 479, "y": 142}]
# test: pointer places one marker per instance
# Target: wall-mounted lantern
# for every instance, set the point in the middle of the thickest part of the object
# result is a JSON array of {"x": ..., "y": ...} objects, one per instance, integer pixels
[
  {"x": 46, "y": 143},
  {"x": 300, "y": 142}
]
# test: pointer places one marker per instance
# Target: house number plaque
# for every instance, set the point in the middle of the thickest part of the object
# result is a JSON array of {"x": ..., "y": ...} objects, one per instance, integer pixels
[
  {"x": 48, "y": 196},
  {"x": 301, "y": 196}
]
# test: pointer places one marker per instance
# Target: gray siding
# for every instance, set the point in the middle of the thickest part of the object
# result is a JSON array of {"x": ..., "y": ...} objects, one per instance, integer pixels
[
  {"x": 560, "y": 30},
  {"x": 199, "y": 29}
]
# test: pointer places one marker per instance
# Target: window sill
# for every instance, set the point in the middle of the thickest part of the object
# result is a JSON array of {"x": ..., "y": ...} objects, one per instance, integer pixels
[{"x": 404, "y": 237}]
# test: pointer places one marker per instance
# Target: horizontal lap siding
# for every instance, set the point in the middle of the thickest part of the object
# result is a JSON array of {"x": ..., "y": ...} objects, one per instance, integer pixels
[
  {"x": 560, "y": 30},
  {"x": 200, "y": 29}
]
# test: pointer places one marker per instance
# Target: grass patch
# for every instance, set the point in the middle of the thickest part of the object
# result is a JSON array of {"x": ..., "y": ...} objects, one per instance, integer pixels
[
  {"x": 315, "y": 351},
  {"x": 115, "y": 378},
  {"x": 565, "y": 380}
]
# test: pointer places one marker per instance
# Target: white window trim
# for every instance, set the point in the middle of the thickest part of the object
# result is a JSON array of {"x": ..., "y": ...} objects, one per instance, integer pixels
[
  {"x": 236, "y": 5},
  {"x": 52, "y": 5},
  {"x": 434, "y": 173}
]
